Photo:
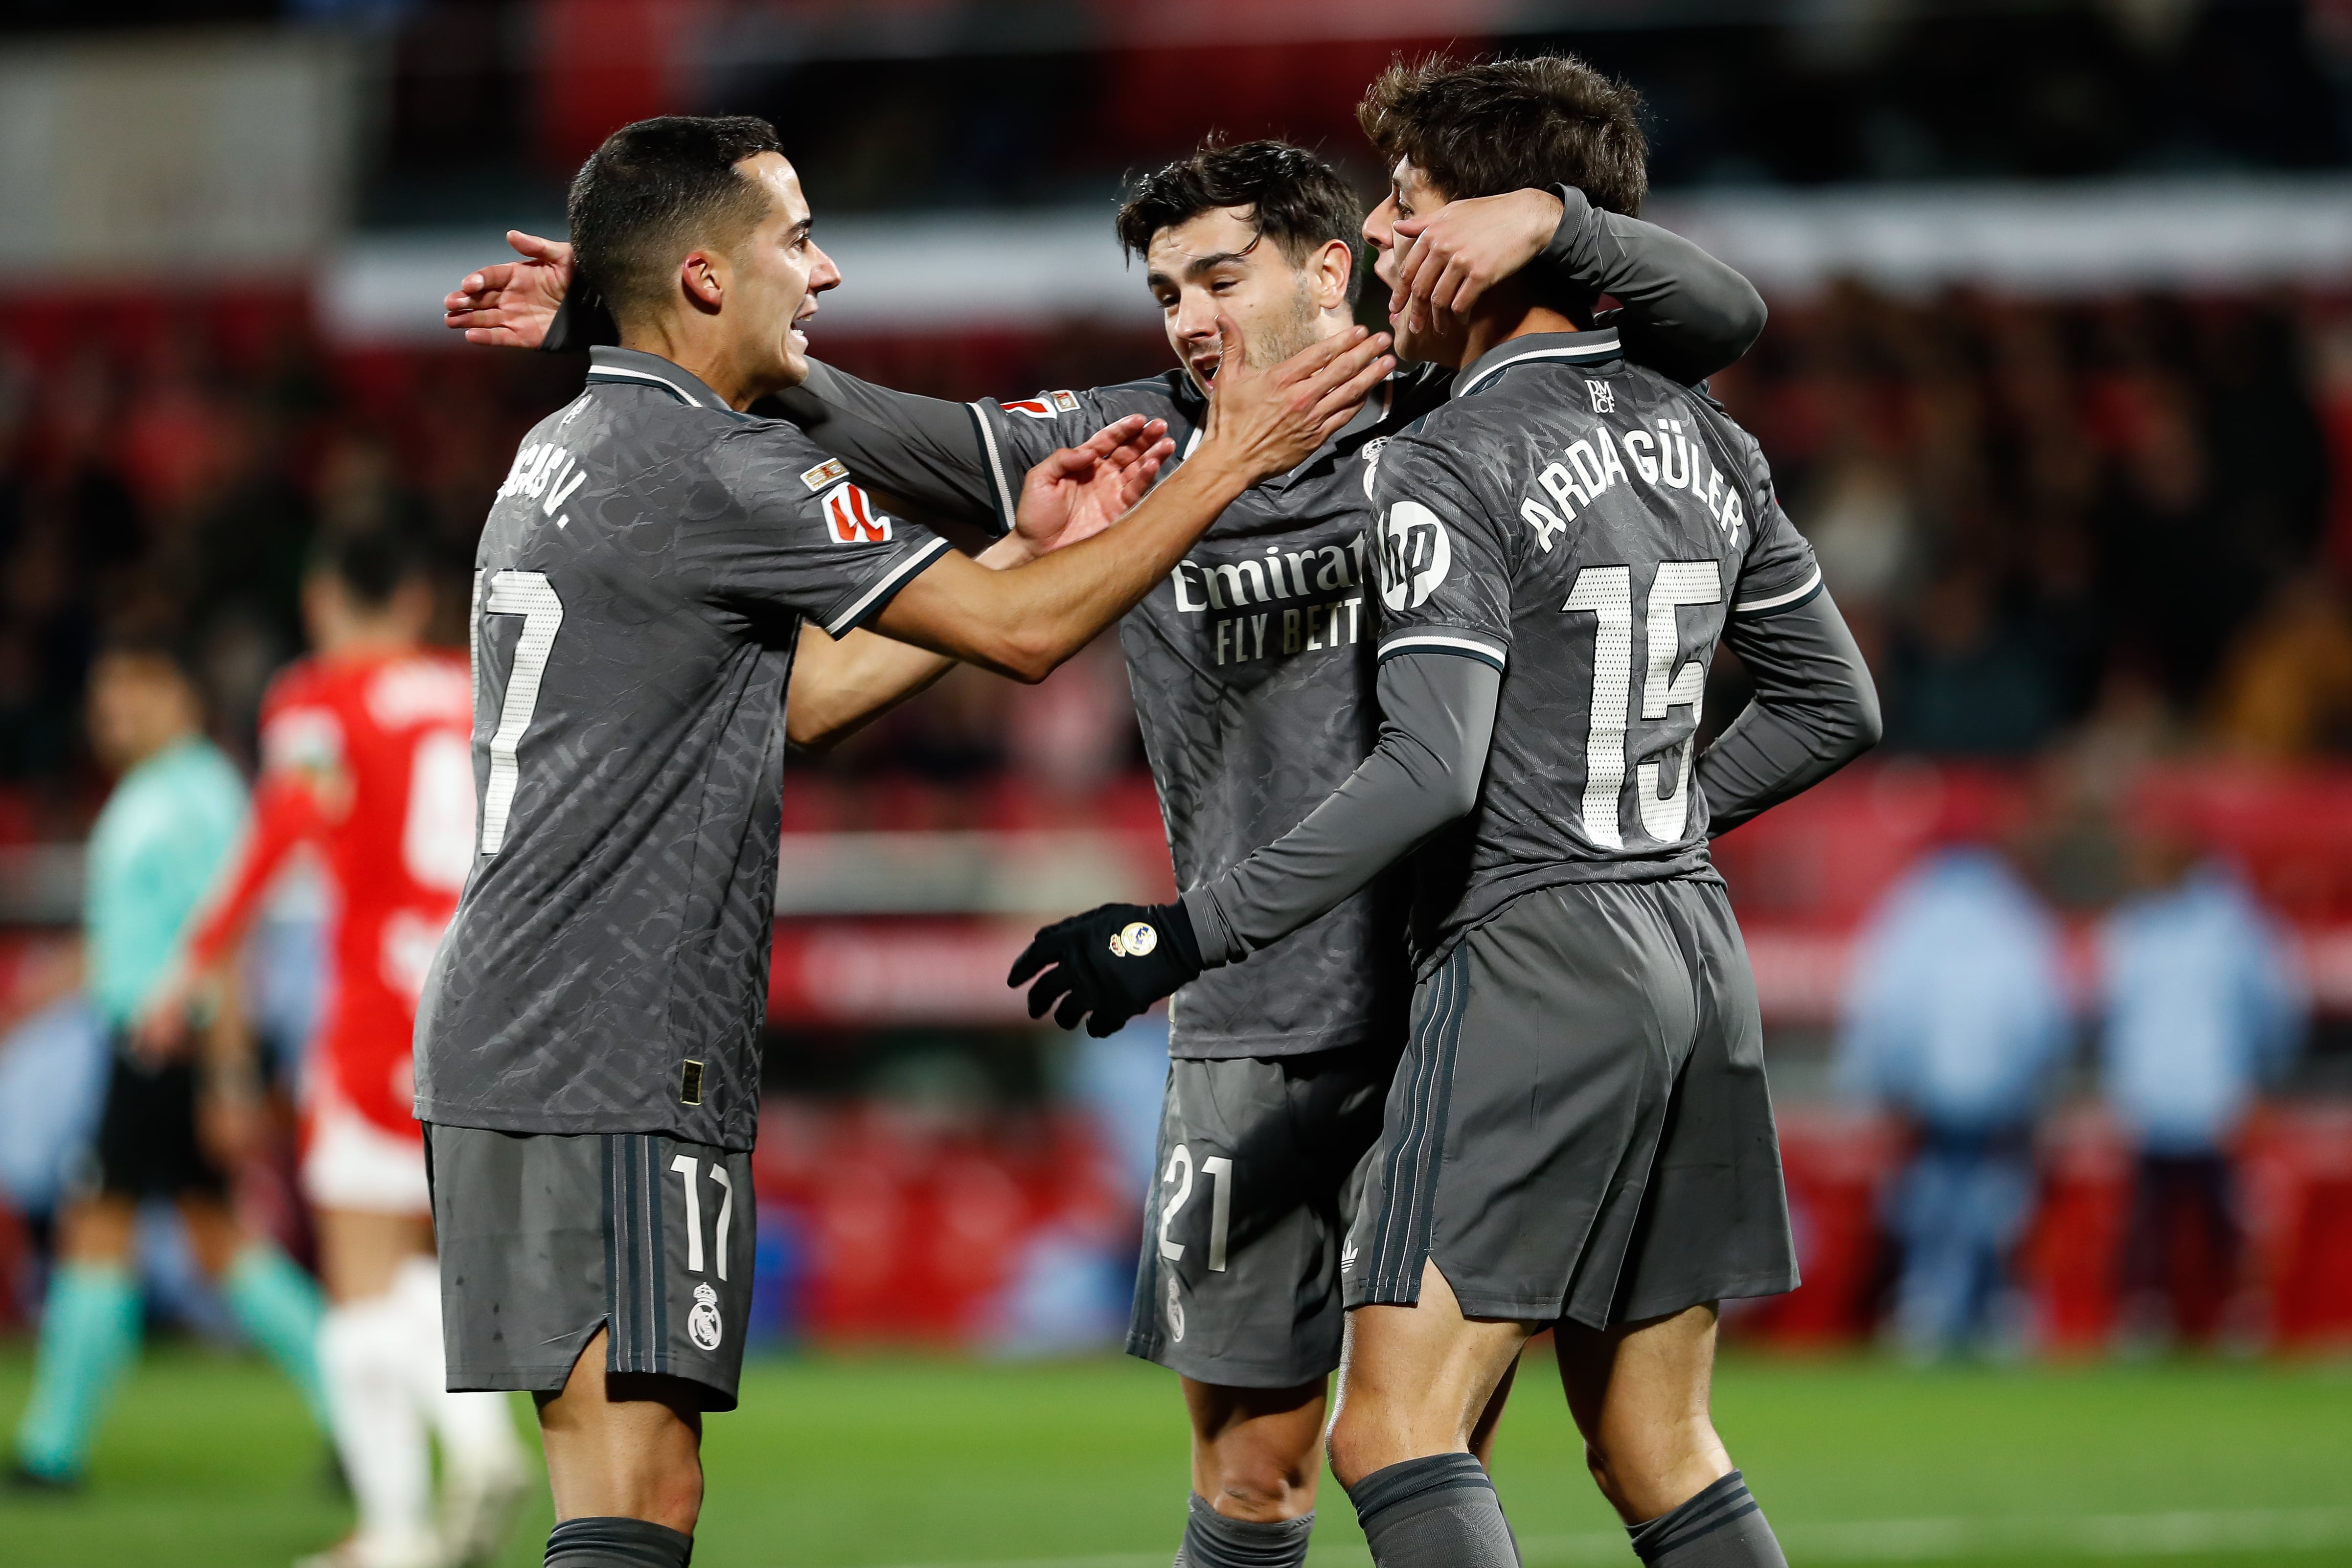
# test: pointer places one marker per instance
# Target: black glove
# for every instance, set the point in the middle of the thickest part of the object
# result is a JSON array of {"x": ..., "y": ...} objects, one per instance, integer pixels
[{"x": 1108, "y": 964}]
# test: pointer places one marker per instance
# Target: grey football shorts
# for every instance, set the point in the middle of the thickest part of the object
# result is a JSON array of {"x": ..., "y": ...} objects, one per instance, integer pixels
[
  {"x": 1580, "y": 1128},
  {"x": 546, "y": 1238},
  {"x": 1261, "y": 1160}
]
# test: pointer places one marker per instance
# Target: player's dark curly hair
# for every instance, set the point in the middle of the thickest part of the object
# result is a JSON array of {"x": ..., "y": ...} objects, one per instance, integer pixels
[
  {"x": 1295, "y": 198},
  {"x": 653, "y": 192},
  {"x": 372, "y": 563},
  {"x": 1504, "y": 125}
]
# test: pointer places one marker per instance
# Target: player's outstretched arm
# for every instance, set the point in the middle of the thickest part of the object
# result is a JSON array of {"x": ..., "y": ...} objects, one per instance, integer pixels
[
  {"x": 1025, "y": 621},
  {"x": 839, "y": 686},
  {"x": 1685, "y": 313},
  {"x": 1815, "y": 710},
  {"x": 1437, "y": 721}
]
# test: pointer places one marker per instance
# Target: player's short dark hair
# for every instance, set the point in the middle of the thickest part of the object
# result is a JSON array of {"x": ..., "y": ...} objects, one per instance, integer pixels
[
  {"x": 1505, "y": 125},
  {"x": 372, "y": 564},
  {"x": 154, "y": 643},
  {"x": 657, "y": 189},
  {"x": 1296, "y": 199}
]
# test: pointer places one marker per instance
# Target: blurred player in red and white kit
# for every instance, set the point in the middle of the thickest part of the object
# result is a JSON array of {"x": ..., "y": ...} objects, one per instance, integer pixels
[{"x": 366, "y": 760}]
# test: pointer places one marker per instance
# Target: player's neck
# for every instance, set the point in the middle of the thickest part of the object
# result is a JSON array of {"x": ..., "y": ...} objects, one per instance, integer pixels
[
  {"x": 370, "y": 643},
  {"x": 708, "y": 356},
  {"x": 1498, "y": 320}
]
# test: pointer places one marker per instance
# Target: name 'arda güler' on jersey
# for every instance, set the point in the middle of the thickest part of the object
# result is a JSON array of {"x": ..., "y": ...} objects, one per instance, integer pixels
[{"x": 1589, "y": 527}]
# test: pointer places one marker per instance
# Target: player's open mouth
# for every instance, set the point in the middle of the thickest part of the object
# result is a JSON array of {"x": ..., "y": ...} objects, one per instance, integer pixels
[{"x": 1205, "y": 367}]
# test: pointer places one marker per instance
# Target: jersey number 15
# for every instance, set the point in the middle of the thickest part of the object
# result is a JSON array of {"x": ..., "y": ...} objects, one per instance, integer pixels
[{"x": 1672, "y": 681}]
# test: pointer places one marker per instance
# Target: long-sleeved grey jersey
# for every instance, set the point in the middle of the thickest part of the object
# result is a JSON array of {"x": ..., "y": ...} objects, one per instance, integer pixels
[
  {"x": 1252, "y": 664},
  {"x": 1571, "y": 535},
  {"x": 638, "y": 595}
]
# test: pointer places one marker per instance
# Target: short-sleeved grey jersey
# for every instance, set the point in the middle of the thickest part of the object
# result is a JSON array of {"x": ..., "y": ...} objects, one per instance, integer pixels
[
  {"x": 1587, "y": 527},
  {"x": 1251, "y": 666},
  {"x": 638, "y": 593}
]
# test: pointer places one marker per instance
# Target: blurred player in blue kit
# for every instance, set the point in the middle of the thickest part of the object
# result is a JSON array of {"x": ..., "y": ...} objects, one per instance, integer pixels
[{"x": 183, "y": 1096}]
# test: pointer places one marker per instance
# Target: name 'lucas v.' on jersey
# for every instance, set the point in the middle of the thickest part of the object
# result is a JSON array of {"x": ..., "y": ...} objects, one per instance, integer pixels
[
  {"x": 1589, "y": 527},
  {"x": 638, "y": 596}
]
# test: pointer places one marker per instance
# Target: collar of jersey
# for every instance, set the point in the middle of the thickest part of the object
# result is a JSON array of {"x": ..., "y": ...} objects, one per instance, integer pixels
[
  {"x": 635, "y": 368},
  {"x": 1373, "y": 410},
  {"x": 1574, "y": 347}
]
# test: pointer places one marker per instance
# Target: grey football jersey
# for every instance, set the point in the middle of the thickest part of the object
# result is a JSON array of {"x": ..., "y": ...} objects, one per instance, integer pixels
[
  {"x": 1586, "y": 526},
  {"x": 638, "y": 593},
  {"x": 1252, "y": 667}
]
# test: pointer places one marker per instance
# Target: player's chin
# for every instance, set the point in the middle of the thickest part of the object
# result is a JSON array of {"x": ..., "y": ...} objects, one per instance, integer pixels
[{"x": 795, "y": 359}]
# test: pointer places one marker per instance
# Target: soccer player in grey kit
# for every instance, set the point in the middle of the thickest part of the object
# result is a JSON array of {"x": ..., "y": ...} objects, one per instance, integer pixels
[
  {"x": 655, "y": 567},
  {"x": 1252, "y": 671},
  {"x": 1580, "y": 1135}
]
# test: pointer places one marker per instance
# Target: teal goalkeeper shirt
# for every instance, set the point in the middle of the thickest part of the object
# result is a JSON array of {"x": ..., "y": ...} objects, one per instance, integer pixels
[{"x": 162, "y": 837}]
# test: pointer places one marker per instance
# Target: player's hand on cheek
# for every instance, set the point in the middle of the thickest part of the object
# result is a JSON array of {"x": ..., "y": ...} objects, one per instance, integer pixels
[
  {"x": 1078, "y": 491},
  {"x": 1464, "y": 248},
  {"x": 1107, "y": 964},
  {"x": 1269, "y": 420},
  {"x": 512, "y": 304}
]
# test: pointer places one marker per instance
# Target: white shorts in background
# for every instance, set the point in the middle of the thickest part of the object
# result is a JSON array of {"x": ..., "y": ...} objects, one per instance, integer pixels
[{"x": 355, "y": 1164}]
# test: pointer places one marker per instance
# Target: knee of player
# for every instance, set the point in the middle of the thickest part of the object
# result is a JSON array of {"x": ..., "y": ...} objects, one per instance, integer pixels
[
  {"x": 1352, "y": 1445},
  {"x": 1263, "y": 1484},
  {"x": 1634, "y": 1467}
]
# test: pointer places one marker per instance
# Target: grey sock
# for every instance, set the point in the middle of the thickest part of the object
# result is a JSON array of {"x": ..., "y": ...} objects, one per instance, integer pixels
[
  {"x": 1213, "y": 1540},
  {"x": 612, "y": 1542},
  {"x": 1434, "y": 1513},
  {"x": 1722, "y": 1527}
]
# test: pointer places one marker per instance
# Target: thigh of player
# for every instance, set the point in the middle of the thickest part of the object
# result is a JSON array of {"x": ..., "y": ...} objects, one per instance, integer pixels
[
  {"x": 1522, "y": 1125},
  {"x": 1238, "y": 1284},
  {"x": 547, "y": 1238},
  {"x": 1714, "y": 1220}
]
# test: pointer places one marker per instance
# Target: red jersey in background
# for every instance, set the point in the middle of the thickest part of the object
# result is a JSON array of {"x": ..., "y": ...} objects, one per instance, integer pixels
[{"x": 370, "y": 760}]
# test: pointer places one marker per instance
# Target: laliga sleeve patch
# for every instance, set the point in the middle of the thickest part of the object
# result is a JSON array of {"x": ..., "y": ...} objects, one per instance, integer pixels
[
  {"x": 830, "y": 471},
  {"x": 1415, "y": 555},
  {"x": 1045, "y": 405},
  {"x": 852, "y": 518}
]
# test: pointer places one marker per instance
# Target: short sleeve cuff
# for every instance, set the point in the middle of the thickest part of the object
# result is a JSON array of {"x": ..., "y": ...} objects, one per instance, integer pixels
[
  {"x": 1449, "y": 641},
  {"x": 1000, "y": 488},
  {"x": 884, "y": 588},
  {"x": 1773, "y": 603}
]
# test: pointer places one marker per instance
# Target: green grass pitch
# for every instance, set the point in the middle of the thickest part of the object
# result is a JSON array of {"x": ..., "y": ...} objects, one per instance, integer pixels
[{"x": 208, "y": 1462}]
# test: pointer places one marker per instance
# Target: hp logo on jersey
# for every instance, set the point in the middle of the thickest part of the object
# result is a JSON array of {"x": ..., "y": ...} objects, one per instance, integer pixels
[
  {"x": 1414, "y": 554},
  {"x": 702, "y": 1324}
]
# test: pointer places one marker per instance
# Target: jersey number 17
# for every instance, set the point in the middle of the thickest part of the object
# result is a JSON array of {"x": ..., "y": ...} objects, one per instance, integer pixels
[{"x": 530, "y": 595}]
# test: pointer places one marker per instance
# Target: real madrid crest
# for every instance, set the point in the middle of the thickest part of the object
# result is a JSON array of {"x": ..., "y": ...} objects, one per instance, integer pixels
[{"x": 702, "y": 1323}]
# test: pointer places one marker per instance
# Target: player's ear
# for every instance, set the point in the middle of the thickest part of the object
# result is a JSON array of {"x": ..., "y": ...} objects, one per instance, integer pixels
[
  {"x": 1333, "y": 266},
  {"x": 703, "y": 276}
]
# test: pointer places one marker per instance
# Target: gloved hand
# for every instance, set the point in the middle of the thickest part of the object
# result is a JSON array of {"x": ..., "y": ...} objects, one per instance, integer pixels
[{"x": 1107, "y": 964}]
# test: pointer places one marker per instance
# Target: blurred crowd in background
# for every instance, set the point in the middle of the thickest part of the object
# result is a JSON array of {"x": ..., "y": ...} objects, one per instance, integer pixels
[{"x": 2128, "y": 519}]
